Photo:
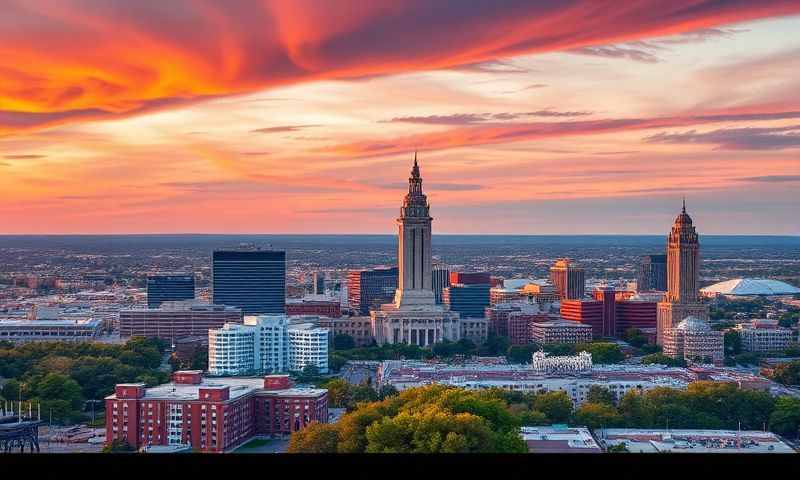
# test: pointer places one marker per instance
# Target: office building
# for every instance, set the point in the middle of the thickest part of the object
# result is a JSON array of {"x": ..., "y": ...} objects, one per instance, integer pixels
[
  {"x": 694, "y": 341},
  {"x": 266, "y": 344},
  {"x": 505, "y": 295},
  {"x": 318, "y": 283},
  {"x": 652, "y": 274},
  {"x": 608, "y": 314},
  {"x": 173, "y": 320},
  {"x": 542, "y": 293},
  {"x": 370, "y": 288},
  {"x": 520, "y": 324},
  {"x": 568, "y": 278},
  {"x": 441, "y": 280},
  {"x": 414, "y": 317},
  {"x": 475, "y": 330},
  {"x": 211, "y": 415},
  {"x": 320, "y": 305},
  {"x": 468, "y": 293},
  {"x": 251, "y": 279},
  {"x": 765, "y": 336},
  {"x": 683, "y": 266},
  {"x": 169, "y": 288},
  {"x": 560, "y": 331},
  {"x": 359, "y": 328}
]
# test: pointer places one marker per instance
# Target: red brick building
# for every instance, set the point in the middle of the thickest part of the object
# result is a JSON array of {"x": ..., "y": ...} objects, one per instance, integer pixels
[
  {"x": 608, "y": 315},
  {"x": 175, "y": 320},
  {"x": 211, "y": 415},
  {"x": 520, "y": 326},
  {"x": 323, "y": 308}
]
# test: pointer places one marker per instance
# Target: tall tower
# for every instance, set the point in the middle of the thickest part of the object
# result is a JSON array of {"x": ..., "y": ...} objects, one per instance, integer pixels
[
  {"x": 414, "y": 246},
  {"x": 683, "y": 257},
  {"x": 683, "y": 265}
]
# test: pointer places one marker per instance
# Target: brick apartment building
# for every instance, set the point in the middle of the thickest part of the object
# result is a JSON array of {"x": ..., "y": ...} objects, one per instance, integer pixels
[{"x": 211, "y": 415}]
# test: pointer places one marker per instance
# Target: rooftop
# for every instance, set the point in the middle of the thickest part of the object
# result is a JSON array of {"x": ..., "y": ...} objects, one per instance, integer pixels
[
  {"x": 694, "y": 441},
  {"x": 559, "y": 438},
  {"x": 239, "y": 386},
  {"x": 751, "y": 287}
]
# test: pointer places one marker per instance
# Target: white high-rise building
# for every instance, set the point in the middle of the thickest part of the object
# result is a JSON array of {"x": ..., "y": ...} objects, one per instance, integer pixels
[
  {"x": 308, "y": 346},
  {"x": 266, "y": 344},
  {"x": 231, "y": 351}
]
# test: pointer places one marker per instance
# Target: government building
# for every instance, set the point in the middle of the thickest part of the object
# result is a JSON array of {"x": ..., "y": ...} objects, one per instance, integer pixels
[{"x": 414, "y": 317}]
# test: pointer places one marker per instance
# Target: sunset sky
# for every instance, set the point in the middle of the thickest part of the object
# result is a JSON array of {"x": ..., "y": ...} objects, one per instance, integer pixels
[{"x": 302, "y": 116}]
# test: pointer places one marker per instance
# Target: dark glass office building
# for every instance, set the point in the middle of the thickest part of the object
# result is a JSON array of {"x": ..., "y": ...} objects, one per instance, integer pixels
[
  {"x": 441, "y": 280},
  {"x": 470, "y": 301},
  {"x": 370, "y": 288},
  {"x": 252, "y": 280},
  {"x": 652, "y": 273},
  {"x": 169, "y": 288}
]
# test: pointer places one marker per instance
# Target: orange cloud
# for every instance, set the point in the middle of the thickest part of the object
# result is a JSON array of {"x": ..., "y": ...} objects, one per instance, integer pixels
[{"x": 67, "y": 61}]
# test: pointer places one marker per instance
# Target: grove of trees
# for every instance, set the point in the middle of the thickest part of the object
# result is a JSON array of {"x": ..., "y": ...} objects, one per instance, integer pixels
[{"x": 62, "y": 376}]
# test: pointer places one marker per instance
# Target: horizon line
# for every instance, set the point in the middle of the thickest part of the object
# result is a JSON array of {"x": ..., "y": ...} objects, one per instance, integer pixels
[{"x": 585, "y": 234}]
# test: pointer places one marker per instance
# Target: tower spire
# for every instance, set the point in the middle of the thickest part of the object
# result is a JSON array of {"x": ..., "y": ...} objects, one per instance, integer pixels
[{"x": 684, "y": 204}]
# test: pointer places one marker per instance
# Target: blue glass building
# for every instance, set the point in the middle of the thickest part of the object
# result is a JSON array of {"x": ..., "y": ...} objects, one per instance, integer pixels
[
  {"x": 253, "y": 280},
  {"x": 169, "y": 288}
]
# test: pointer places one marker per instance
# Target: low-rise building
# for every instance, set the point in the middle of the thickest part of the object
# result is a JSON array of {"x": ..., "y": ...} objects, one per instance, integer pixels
[
  {"x": 475, "y": 330},
  {"x": 765, "y": 336},
  {"x": 360, "y": 328},
  {"x": 559, "y": 439},
  {"x": 176, "y": 319},
  {"x": 314, "y": 305},
  {"x": 211, "y": 415},
  {"x": 59, "y": 330},
  {"x": 694, "y": 341},
  {"x": 560, "y": 331},
  {"x": 637, "y": 440}
]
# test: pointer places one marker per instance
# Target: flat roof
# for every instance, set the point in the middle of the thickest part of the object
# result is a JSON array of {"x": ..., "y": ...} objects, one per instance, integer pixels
[
  {"x": 694, "y": 441},
  {"x": 561, "y": 438},
  {"x": 239, "y": 386}
]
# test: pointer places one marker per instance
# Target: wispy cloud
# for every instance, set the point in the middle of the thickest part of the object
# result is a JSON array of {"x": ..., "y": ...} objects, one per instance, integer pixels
[
  {"x": 772, "y": 178},
  {"x": 23, "y": 156},
  {"x": 283, "y": 128},
  {"x": 474, "y": 118},
  {"x": 773, "y": 138}
]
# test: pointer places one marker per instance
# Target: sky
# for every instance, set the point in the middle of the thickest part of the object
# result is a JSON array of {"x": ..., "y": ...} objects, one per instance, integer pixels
[{"x": 300, "y": 116}]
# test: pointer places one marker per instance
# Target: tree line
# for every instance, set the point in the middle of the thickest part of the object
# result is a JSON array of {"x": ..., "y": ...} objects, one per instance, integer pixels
[{"x": 444, "y": 419}]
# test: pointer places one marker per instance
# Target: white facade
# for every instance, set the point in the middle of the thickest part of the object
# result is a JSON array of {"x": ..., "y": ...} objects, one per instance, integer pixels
[
  {"x": 266, "y": 344},
  {"x": 308, "y": 346},
  {"x": 230, "y": 350},
  {"x": 765, "y": 336},
  {"x": 271, "y": 342}
]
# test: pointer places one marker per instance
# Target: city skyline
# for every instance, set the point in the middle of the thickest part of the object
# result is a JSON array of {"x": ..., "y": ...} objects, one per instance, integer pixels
[{"x": 584, "y": 118}]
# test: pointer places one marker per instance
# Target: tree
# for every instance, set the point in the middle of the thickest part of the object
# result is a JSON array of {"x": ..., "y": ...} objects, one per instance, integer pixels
[
  {"x": 557, "y": 406},
  {"x": 785, "y": 418},
  {"x": 596, "y": 415},
  {"x": 387, "y": 391},
  {"x": 618, "y": 448},
  {"x": 118, "y": 446},
  {"x": 521, "y": 353},
  {"x": 315, "y": 438},
  {"x": 342, "y": 341},
  {"x": 602, "y": 352},
  {"x": 733, "y": 342},
  {"x": 661, "y": 359},
  {"x": 788, "y": 373},
  {"x": 601, "y": 395},
  {"x": 495, "y": 345}
]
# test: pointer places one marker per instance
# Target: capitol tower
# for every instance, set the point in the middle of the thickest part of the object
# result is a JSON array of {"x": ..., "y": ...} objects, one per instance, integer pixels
[
  {"x": 414, "y": 317},
  {"x": 683, "y": 265}
]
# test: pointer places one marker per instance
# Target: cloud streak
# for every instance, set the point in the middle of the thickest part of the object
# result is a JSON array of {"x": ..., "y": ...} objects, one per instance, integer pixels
[
  {"x": 495, "y": 133},
  {"x": 94, "y": 60}
]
